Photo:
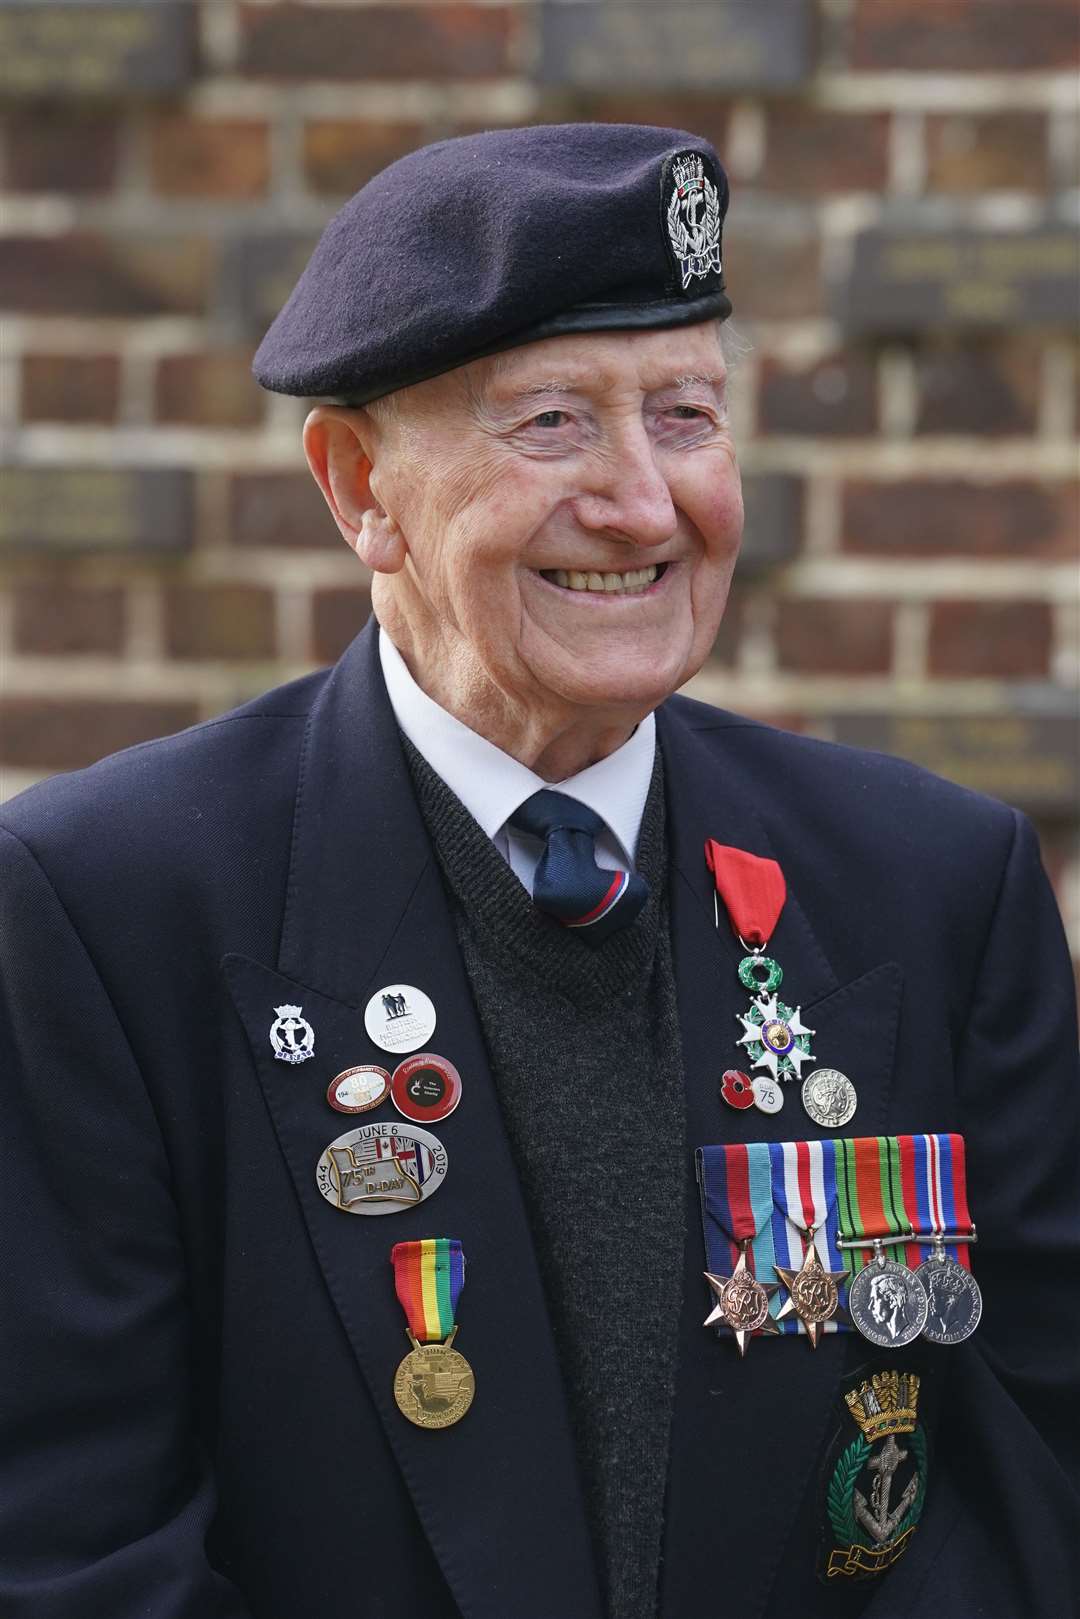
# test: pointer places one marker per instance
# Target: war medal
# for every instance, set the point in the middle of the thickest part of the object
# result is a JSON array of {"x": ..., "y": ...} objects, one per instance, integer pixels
[
  {"x": 774, "y": 1036},
  {"x": 953, "y": 1298},
  {"x": 434, "y": 1385},
  {"x": 954, "y": 1301}
]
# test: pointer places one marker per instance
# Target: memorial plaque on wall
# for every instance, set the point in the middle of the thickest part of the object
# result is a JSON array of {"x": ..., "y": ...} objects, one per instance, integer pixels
[
  {"x": 258, "y": 275},
  {"x": 716, "y": 45},
  {"x": 1030, "y": 760},
  {"x": 95, "y": 47},
  {"x": 87, "y": 509},
  {"x": 908, "y": 280}
]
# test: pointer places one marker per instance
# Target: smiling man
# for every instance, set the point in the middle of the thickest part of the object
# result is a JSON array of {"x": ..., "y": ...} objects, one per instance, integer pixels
[{"x": 459, "y": 937}]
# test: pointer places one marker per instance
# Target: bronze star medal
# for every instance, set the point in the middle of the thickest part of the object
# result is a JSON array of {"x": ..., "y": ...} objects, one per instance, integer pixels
[
  {"x": 812, "y": 1293},
  {"x": 742, "y": 1303}
]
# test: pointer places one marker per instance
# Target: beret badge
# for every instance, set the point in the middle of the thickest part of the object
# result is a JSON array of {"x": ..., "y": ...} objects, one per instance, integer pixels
[{"x": 691, "y": 207}]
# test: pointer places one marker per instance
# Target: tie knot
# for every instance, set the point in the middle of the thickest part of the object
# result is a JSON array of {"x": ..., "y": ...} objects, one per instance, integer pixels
[{"x": 547, "y": 812}]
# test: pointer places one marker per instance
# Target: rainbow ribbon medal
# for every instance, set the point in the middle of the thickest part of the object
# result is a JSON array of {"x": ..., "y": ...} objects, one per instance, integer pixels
[{"x": 434, "y": 1385}]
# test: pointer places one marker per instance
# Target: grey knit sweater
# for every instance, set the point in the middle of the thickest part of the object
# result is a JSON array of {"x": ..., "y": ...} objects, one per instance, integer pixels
[{"x": 584, "y": 1048}]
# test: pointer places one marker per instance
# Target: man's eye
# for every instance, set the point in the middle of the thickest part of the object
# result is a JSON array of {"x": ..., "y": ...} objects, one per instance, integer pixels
[
  {"x": 687, "y": 413},
  {"x": 550, "y": 418}
]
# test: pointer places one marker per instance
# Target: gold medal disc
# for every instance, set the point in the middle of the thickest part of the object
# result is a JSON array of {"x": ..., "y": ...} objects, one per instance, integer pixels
[{"x": 434, "y": 1386}]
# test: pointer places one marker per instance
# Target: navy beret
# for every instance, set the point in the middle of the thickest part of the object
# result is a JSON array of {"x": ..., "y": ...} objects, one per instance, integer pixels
[{"x": 479, "y": 244}]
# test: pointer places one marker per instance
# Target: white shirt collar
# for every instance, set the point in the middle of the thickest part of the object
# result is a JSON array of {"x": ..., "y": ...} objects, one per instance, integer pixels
[{"x": 492, "y": 785}]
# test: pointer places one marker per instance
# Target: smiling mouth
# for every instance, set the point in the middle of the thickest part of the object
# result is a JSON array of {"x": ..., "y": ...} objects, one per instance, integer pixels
[{"x": 636, "y": 581}]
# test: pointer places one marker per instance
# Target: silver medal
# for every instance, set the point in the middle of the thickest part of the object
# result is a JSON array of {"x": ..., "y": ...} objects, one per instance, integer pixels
[
  {"x": 400, "y": 1017},
  {"x": 829, "y": 1098},
  {"x": 953, "y": 1299},
  {"x": 381, "y": 1168},
  {"x": 887, "y": 1304}
]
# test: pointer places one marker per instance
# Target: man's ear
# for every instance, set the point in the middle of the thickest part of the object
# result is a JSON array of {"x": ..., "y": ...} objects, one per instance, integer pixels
[{"x": 339, "y": 445}]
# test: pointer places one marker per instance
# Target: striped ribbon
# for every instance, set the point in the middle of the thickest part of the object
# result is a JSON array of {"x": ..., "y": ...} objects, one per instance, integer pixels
[
  {"x": 428, "y": 1278},
  {"x": 871, "y": 1186},
  {"x": 887, "y": 1185}
]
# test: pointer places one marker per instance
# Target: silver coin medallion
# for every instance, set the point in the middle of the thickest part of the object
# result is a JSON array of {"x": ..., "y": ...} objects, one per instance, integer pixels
[
  {"x": 829, "y": 1098},
  {"x": 887, "y": 1304},
  {"x": 954, "y": 1301},
  {"x": 381, "y": 1168},
  {"x": 400, "y": 1017}
]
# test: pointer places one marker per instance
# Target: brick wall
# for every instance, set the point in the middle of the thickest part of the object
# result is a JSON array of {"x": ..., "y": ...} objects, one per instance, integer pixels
[{"x": 904, "y": 176}]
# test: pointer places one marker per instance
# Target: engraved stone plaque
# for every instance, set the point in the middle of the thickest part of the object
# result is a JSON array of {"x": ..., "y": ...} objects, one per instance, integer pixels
[
  {"x": 1030, "y": 760},
  {"x": 96, "y": 509},
  {"x": 906, "y": 280},
  {"x": 679, "y": 44},
  {"x": 96, "y": 47}
]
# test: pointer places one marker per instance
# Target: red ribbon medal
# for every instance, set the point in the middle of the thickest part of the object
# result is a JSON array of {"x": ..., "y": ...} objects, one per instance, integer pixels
[{"x": 774, "y": 1036}]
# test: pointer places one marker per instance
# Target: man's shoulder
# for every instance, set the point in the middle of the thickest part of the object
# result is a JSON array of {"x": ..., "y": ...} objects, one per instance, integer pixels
[
  {"x": 866, "y": 796},
  {"x": 199, "y": 787}
]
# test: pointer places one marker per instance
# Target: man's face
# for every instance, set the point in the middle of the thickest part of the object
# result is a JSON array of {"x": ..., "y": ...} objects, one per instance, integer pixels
[{"x": 571, "y": 512}]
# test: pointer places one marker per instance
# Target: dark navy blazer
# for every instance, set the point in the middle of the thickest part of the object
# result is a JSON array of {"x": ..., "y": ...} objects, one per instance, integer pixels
[{"x": 197, "y": 1413}]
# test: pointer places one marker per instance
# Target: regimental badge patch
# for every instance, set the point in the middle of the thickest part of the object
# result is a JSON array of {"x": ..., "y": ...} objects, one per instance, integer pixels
[
  {"x": 877, "y": 1487},
  {"x": 690, "y": 204}
]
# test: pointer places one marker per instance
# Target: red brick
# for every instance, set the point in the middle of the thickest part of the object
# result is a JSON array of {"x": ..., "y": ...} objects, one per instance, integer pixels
[
  {"x": 812, "y": 152},
  {"x": 70, "y": 387},
  {"x": 948, "y": 517},
  {"x": 227, "y": 621},
  {"x": 53, "y": 618},
  {"x": 836, "y": 398},
  {"x": 209, "y": 390},
  {"x": 996, "y": 639},
  {"x": 990, "y": 391},
  {"x": 830, "y": 637},
  {"x": 94, "y": 275},
  {"x": 337, "y": 616},
  {"x": 1001, "y": 151},
  {"x": 376, "y": 42},
  {"x": 341, "y": 155},
  {"x": 47, "y": 733},
  {"x": 280, "y": 509},
  {"x": 948, "y": 36},
  {"x": 773, "y": 274},
  {"x": 74, "y": 153},
  {"x": 201, "y": 157}
]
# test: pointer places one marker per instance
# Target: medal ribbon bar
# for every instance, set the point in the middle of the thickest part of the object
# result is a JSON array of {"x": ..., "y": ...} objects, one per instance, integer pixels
[
  {"x": 428, "y": 1278},
  {"x": 890, "y": 1186}
]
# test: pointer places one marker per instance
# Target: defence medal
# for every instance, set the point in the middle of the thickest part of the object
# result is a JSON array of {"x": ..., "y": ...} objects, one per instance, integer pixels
[
  {"x": 434, "y": 1385},
  {"x": 774, "y": 1036},
  {"x": 812, "y": 1292},
  {"x": 885, "y": 1302}
]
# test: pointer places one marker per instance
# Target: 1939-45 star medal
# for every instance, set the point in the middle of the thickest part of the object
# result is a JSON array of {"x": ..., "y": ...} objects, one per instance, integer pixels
[{"x": 742, "y": 1302}]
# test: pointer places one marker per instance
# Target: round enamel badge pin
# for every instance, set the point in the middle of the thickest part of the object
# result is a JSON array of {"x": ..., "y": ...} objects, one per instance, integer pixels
[
  {"x": 425, "y": 1088},
  {"x": 399, "y": 1017},
  {"x": 358, "y": 1090}
]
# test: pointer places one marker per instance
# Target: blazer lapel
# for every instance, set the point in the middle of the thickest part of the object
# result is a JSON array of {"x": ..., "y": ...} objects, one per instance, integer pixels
[
  {"x": 498, "y": 1494},
  {"x": 721, "y": 1400}
]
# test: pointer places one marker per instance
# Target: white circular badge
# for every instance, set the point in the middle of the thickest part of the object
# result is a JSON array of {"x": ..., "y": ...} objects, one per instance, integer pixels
[
  {"x": 381, "y": 1168},
  {"x": 767, "y": 1094},
  {"x": 400, "y": 1018}
]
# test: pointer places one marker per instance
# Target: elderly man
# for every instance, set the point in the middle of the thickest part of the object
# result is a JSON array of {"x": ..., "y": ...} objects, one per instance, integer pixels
[{"x": 460, "y": 937}]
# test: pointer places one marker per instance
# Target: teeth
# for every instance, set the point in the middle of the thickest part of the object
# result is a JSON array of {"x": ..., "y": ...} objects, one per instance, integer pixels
[{"x": 635, "y": 579}]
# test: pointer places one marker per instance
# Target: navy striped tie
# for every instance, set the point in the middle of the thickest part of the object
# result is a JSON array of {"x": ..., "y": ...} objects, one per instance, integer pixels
[{"x": 568, "y": 884}]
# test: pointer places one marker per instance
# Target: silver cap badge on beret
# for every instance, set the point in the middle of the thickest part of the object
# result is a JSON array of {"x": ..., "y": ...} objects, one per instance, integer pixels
[{"x": 692, "y": 204}]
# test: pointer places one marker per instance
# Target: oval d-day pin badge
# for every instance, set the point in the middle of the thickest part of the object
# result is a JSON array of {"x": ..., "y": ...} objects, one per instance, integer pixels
[
  {"x": 381, "y": 1168},
  {"x": 399, "y": 1017}
]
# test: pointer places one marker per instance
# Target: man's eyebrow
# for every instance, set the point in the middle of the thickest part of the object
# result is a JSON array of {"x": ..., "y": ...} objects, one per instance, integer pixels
[{"x": 565, "y": 385}]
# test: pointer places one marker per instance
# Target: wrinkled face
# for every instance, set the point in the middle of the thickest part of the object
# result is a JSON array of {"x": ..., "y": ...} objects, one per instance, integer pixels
[{"x": 572, "y": 512}]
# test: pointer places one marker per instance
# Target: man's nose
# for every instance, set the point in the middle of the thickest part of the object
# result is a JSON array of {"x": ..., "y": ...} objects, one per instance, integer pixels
[{"x": 628, "y": 494}]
